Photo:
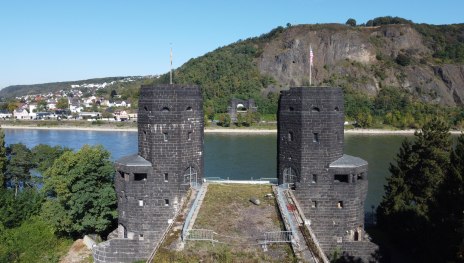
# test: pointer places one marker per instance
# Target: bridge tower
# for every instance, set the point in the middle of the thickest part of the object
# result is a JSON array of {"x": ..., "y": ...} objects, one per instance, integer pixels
[
  {"x": 330, "y": 186},
  {"x": 152, "y": 184}
]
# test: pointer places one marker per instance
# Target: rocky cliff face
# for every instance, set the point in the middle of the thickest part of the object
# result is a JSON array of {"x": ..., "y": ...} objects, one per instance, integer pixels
[{"x": 362, "y": 58}]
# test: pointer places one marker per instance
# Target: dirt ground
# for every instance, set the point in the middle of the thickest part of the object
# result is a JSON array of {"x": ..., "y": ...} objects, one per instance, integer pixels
[{"x": 78, "y": 253}]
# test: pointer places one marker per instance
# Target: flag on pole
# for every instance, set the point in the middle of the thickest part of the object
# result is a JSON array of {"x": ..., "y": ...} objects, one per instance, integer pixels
[{"x": 311, "y": 55}]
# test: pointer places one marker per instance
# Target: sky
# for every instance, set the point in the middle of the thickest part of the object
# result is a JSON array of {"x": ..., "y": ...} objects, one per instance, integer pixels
[{"x": 57, "y": 40}]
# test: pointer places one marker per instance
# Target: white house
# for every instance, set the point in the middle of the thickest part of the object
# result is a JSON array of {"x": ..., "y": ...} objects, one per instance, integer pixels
[
  {"x": 121, "y": 104},
  {"x": 32, "y": 107},
  {"x": 51, "y": 104},
  {"x": 21, "y": 114},
  {"x": 75, "y": 106}
]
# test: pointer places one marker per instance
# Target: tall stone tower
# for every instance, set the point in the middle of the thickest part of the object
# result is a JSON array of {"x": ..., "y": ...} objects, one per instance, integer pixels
[
  {"x": 152, "y": 184},
  {"x": 330, "y": 186}
]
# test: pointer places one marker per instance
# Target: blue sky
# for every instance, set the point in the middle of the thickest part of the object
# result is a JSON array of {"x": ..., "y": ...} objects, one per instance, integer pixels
[{"x": 48, "y": 41}]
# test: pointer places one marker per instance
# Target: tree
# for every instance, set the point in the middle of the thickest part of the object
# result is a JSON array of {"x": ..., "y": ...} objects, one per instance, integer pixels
[
  {"x": 18, "y": 168},
  {"x": 224, "y": 120},
  {"x": 3, "y": 159},
  {"x": 62, "y": 103},
  {"x": 42, "y": 105},
  {"x": 44, "y": 155},
  {"x": 421, "y": 166},
  {"x": 351, "y": 22},
  {"x": 447, "y": 211},
  {"x": 12, "y": 105},
  {"x": 113, "y": 93},
  {"x": 33, "y": 241},
  {"x": 14, "y": 210},
  {"x": 81, "y": 193}
]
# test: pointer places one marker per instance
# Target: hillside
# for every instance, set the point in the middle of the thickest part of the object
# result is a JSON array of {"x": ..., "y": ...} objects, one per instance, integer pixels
[
  {"x": 408, "y": 56},
  {"x": 22, "y": 90},
  {"x": 393, "y": 71}
]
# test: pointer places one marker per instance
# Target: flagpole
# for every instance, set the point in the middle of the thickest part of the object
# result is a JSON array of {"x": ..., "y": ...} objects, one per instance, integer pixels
[{"x": 310, "y": 64}]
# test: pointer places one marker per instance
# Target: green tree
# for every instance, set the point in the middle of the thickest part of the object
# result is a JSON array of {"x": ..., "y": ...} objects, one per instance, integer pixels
[
  {"x": 224, "y": 120},
  {"x": 3, "y": 159},
  {"x": 351, "y": 22},
  {"x": 447, "y": 211},
  {"x": 44, "y": 155},
  {"x": 33, "y": 241},
  {"x": 113, "y": 93},
  {"x": 42, "y": 105},
  {"x": 240, "y": 120},
  {"x": 420, "y": 169},
  {"x": 18, "y": 168},
  {"x": 364, "y": 119},
  {"x": 14, "y": 210},
  {"x": 81, "y": 193},
  {"x": 62, "y": 103}
]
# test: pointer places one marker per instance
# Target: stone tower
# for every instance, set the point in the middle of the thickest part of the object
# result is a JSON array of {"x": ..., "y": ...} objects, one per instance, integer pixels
[
  {"x": 330, "y": 186},
  {"x": 152, "y": 184}
]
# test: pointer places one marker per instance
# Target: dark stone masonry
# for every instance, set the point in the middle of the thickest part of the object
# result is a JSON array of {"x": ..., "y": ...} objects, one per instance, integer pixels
[
  {"x": 330, "y": 186},
  {"x": 152, "y": 184}
]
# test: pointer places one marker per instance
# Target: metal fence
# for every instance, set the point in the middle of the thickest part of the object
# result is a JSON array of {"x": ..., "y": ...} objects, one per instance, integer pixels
[
  {"x": 278, "y": 237},
  {"x": 271, "y": 180},
  {"x": 200, "y": 234},
  {"x": 284, "y": 209},
  {"x": 191, "y": 212}
]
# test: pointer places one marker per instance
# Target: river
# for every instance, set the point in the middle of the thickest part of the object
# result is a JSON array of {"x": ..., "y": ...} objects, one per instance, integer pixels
[{"x": 233, "y": 156}]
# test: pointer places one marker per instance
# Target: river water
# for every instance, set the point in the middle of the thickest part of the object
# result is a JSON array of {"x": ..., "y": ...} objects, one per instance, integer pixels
[{"x": 233, "y": 156}]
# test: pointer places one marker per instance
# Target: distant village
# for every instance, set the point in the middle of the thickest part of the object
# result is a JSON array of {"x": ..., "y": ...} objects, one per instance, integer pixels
[{"x": 73, "y": 104}]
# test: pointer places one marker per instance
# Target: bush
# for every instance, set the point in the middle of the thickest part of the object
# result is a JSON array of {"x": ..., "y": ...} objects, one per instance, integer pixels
[
  {"x": 403, "y": 60},
  {"x": 33, "y": 241},
  {"x": 224, "y": 120},
  {"x": 351, "y": 22}
]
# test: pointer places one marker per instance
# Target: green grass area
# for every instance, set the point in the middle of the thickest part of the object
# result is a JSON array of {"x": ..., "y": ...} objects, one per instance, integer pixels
[
  {"x": 224, "y": 202},
  {"x": 239, "y": 225}
]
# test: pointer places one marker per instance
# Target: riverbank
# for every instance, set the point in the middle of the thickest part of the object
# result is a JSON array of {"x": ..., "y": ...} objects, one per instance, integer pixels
[{"x": 248, "y": 130}]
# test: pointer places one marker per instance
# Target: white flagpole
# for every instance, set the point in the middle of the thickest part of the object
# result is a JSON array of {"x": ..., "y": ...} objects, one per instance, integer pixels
[{"x": 310, "y": 64}]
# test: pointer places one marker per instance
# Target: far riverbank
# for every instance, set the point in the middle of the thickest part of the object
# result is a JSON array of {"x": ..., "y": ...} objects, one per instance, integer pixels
[{"x": 207, "y": 129}]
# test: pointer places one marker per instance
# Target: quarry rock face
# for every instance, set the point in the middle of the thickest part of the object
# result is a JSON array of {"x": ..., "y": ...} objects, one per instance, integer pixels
[{"x": 362, "y": 58}]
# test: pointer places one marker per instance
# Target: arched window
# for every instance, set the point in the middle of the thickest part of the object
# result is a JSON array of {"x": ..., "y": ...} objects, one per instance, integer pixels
[
  {"x": 315, "y": 109},
  {"x": 289, "y": 175},
  {"x": 290, "y": 136},
  {"x": 165, "y": 109},
  {"x": 188, "y": 108},
  {"x": 190, "y": 175}
]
